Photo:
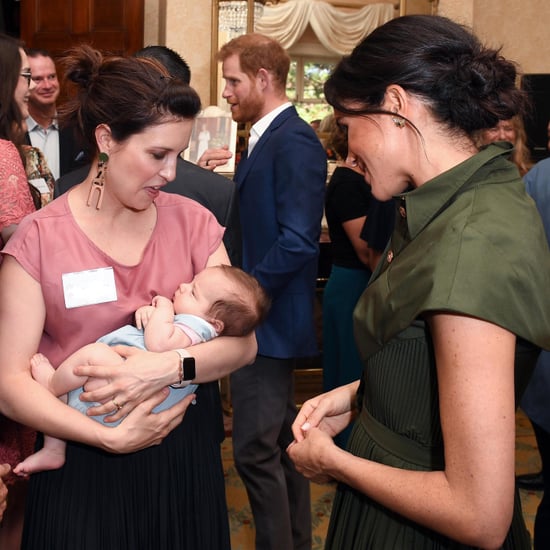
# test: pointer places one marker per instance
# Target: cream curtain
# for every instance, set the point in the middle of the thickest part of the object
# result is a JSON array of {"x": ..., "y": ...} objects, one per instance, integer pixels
[{"x": 339, "y": 31}]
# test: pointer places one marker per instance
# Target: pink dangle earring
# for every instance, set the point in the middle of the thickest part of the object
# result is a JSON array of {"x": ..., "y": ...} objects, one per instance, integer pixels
[{"x": 98, "y": 183}]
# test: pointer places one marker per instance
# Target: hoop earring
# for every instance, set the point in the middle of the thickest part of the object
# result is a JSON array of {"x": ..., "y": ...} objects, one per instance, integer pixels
[
  {"x": 98, "y": 183},
  {"x": 398, "y": 121}
]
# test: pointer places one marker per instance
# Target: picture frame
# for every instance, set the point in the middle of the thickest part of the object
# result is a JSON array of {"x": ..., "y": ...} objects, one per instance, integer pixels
[{"x": 213, "y": 128}]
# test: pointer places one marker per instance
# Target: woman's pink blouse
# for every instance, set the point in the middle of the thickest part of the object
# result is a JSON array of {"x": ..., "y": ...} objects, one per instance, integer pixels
[{"x": 49, "y": 244}]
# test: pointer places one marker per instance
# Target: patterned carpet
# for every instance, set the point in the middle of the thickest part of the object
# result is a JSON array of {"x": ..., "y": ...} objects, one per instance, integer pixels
[{"x": 242, "y": 524}]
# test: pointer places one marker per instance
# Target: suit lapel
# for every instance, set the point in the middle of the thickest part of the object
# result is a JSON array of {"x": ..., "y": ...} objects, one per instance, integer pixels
[
  {"x": 66, "y": 150},
  {"x": 246, "y": 162}
]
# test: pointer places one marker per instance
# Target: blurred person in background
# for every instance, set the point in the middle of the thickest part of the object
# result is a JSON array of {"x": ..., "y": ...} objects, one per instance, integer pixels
[
  {"x": 60, "y": 146},
  {"x": 18, "y": 198},
  {"x": 512, "y": 131}
]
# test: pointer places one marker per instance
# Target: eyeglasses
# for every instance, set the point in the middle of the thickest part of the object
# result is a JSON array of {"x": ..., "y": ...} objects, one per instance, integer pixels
[{"x": 28, "y": 76}]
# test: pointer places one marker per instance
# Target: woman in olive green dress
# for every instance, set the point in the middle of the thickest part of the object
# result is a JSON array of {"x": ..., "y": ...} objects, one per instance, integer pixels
[{"x": 450, "y": 326}]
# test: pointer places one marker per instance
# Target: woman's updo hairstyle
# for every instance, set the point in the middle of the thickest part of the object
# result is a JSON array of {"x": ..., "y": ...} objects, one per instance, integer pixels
[
  {"x": 129, "y": 94},
  {"x": 466, "y": 85}
]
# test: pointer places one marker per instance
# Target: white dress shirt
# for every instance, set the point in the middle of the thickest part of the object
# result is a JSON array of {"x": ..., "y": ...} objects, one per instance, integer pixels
[
  {"x": 262, "y": 125},
  {"x": 47, "y": 140}
]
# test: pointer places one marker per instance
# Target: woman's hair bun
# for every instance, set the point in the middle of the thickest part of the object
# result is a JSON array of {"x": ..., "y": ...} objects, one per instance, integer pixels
[
  {"x": 82, "y": 65},
  {"x": 467, "y": 85}
]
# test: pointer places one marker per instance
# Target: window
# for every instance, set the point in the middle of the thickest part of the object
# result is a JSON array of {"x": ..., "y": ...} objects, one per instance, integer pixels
[{"x": 306, "y": 79}]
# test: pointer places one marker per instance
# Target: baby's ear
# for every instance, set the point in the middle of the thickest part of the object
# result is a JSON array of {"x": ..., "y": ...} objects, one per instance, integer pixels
[{"x": 218, "y": 325}]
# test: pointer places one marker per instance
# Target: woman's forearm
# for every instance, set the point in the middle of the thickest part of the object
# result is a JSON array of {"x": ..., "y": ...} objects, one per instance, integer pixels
[
  {"x": 146, "y": 373},
  {"x": 37, "y": 408},
  {"x": 22, "y": 398},
  {"x": 29, "y": 403},
  {"x": 213, "y": 360},
  {"x": 221, "y": 356}
]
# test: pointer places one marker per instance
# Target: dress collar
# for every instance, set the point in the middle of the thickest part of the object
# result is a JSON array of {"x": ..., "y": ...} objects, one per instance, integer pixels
[{"x": 421, "y": 205}]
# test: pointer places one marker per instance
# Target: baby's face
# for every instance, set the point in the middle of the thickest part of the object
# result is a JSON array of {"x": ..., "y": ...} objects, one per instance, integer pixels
[{"x": 197, "y": 297}]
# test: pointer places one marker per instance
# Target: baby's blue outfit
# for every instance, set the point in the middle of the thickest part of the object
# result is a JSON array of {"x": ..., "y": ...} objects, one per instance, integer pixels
[{"x": 129, "y": 335}]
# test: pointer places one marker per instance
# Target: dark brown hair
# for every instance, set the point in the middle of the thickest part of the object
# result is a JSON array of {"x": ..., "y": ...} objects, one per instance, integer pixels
[
  {"x": 466, "y": 85},
  {"x": 129, "y": 94},
  {"x": 38, "y": 52},
  {"x": 11, "y": 118},
  {"x": 239, "y": 317}
]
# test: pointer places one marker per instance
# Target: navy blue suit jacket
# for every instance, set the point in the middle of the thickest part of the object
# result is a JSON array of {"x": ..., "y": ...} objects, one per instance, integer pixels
[
  {"x": 281, "y": 195},
  {"x": 537, "y": 395}
]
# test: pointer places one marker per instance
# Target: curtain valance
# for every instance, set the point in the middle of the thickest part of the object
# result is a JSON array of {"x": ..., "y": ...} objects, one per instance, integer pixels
[{"x": 338, "y": 31}]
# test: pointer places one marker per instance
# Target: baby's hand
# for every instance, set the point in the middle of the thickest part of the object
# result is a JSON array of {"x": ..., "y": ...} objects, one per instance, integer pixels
[
  {"x": 161, "y": 301},
  {"x": 143, "y": 314}
]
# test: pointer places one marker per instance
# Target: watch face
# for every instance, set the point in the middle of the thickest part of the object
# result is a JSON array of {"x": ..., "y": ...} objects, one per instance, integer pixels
[{"x": 188, "y": 368}]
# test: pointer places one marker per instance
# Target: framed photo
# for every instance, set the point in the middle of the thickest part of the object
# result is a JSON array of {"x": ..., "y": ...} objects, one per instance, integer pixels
[{"x": 214, "y": 128}]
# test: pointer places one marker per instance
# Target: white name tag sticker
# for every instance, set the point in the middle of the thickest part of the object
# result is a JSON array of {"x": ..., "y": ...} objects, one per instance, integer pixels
[
  {"x": 40, "y": 184},
  {"x": 85, "y": 288}
]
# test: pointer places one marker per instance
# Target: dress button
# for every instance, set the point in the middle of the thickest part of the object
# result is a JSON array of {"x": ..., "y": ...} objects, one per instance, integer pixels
[{"x": 389, "y": 257}]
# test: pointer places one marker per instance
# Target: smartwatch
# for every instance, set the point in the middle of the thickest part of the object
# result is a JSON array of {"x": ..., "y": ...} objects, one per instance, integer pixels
[{"x": 187, "y": 371}]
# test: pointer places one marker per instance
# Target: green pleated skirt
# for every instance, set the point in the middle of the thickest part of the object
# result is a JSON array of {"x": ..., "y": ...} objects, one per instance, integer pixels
[{"x": 402, "y": 429}]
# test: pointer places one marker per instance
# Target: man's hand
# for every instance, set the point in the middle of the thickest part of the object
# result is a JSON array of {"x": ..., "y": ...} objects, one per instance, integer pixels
[{"x": 212, "y": 158}]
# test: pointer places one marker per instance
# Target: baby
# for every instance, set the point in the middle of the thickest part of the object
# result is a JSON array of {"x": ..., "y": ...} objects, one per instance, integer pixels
[{"x": 220, "y": 300}]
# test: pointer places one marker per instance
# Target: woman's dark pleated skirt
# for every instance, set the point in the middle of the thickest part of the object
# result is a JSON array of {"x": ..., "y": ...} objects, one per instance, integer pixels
[
  {"x": 410, "y": 438},
  {"x": 167, "y": 497}
]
